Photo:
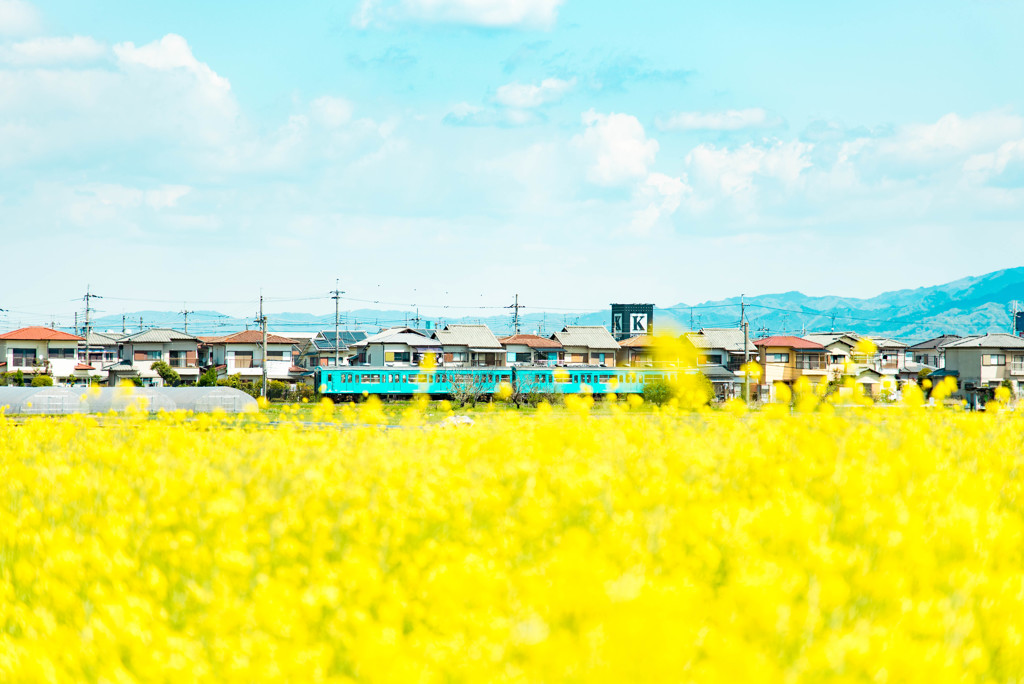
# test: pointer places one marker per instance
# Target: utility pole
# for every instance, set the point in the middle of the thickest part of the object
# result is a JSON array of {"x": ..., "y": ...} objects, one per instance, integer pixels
[
  {"x": 336, "y": 296},
  {"x": 88, "y": 309},
  {"x": 691, "y": 318},
  {"x": 263, "y": 324},
  {"x": 185, "y": 313},
  {"x": 833, "y": 314},
  {"x": 123, "y": 320},
  {"x": 515, "y": 316},
  {"x": 746, "y": 350}
]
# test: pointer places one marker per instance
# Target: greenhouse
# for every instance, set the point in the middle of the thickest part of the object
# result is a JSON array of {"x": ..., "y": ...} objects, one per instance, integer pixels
[{"x": 64, "y": 400}]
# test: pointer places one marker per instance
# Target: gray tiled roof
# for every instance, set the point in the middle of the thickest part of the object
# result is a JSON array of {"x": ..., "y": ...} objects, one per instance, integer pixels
[
  {"x": 717, "y": 372},
  {"x": 160, "y": 336},
  {"x": 825, "y": 339},
  {"x": 476, "y": 336},
  {"x": 729, "y": 339},
  {"x": 99, "y": 339},
  {"x": 936, "y": 342},
  {"x": 990, "y": 341},
  {"x": 592, "y": 336},
  {"x": 887, "y": 343},
  {"x": 399, "y": 336}
]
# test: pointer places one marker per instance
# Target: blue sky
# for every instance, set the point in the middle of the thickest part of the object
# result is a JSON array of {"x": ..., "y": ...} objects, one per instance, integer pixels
[{"x": 573, "y": 152}]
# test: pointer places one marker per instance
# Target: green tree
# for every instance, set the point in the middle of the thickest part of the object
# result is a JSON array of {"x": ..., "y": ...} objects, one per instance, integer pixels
[
  {"x": 19, "y": 378},
  {"x": 657, "y": 392},
  {"x": 168, "y": 374},
  {"x": 42, "y": 381},
  {"x": 208, "y": 378}
]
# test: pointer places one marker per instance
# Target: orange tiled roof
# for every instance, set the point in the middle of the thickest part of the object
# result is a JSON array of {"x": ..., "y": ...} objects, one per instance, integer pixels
[
  {"x": 532, "y": 341},
  {"x": 38, "y": 332},
  {"x": 250, "y": 337}
]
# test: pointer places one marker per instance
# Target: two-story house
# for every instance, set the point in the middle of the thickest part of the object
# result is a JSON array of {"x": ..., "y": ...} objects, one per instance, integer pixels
[
  {"x": 400, "y": 346},
  {"x": 470, "y": 345},
  {"x": 241, "y": 354},
  {"x": 139, "y": 351},
  {"x": 785, "y": 358},
  {"x": 931, "y": 352},
  {"x": 841, "y": 356},
  {"x": 980, "y": 363},
  {"x": 636, "y": 351},
  {"x": 319, "y": 350},
  {"x": 722, "y": 347},
  {"x": 587, "y": 345},
  {"x": 40, "y": 351},
  {"x": 530, "y": 350}
]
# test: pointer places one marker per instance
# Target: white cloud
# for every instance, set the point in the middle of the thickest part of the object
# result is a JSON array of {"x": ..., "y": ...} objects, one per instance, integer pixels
[
  {"x": 527, "y": 95},
  {"x": 18, "y": 18},
  {"x": 950, "y": 137},
  {"x": 617, "y": 146},
  {"x": 729, "y": 120},
  {"x": 170, "y": 53},
  {"x": 466, "y": 114},
  {"x": 487, "y": 13},
  {"x": 660, "y": 196},
  {"x": 732, "y": 171},
  {"x": 47, "y": 51},
  {"x": 332, "y": 112}
]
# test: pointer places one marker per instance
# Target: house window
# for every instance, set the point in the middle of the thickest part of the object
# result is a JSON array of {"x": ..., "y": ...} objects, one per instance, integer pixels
[
  {"x": 777, "y": 358},
  {"x": 24, "y": 357},
  {"x": 460, "y": 356},
  {"x": 278, "y": 355},
  {"x": 995, "y": 359},
  {"x": 709, "y": 359},
  {"x": 243, "y": 359},
  {"x": 1018, "y": 363},
  {"x": 810, "y": 361},
  {"x": 146, "y": 355},
  {"x": 522, "y": 357},
  {"x": 397, "y": 357},
  {"x": 56, "y": 353}
]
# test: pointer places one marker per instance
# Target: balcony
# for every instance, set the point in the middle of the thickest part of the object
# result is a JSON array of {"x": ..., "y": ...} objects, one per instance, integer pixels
[{"x": 183, "y": 363}]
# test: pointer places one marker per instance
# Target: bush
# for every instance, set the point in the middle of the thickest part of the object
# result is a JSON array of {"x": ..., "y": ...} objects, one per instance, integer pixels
[
  {"x": 277, "y": 389},
  {"x": 208, "y": 378},
  {"x": 657, "y": 392},
  {"x": 42, "y": 381},
  {"x": 166, "y": 373},
  {"x": 302, "y": 391}
]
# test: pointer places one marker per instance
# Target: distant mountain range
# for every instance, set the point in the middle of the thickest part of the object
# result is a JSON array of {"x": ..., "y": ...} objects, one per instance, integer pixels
[{"x": 968, "y": 306}]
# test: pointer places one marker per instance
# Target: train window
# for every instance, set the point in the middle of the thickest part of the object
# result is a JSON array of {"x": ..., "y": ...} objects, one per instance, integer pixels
[
  {"x": 375, "y": 378},
  {"x": 586, "y": 378},
  {"x": 365, "y": 378}
]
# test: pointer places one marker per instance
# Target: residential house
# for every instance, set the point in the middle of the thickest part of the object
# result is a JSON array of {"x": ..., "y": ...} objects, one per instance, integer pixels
[
  {"x": 891, "y": 355},
  {"x": 636, "y": 351},
  {"x": 241, "y": 354},
  {"x": 587, "y": 345},
  {"x": 983, "y": 362},
  {"x": 722, "y": 347},
  {"x": 139, "y": 351},
  {"x": 319, "y": 350},
  {"x": 40, "y": 351},
  {"x": 841, "y": 356},
  {"x": 931, "y": 352},
  {"x": 530, "y": 350},
  {"x": 94, "y": 352},
  {"x": 785, "y": 359},
  {"x": 396, "y": 347},
  {"x": 470, "y": 345}
]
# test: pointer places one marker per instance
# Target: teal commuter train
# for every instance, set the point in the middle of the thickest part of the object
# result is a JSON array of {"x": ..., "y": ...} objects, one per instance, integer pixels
[{"x": 353, "y": 382}]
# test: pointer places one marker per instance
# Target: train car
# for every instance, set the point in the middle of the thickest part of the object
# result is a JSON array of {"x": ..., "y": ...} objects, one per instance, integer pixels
[{"x": 354, "y": 382}]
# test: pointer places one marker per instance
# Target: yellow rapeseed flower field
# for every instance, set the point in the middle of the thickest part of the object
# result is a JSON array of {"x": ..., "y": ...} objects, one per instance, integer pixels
[{"x": 865, "y": 544}]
